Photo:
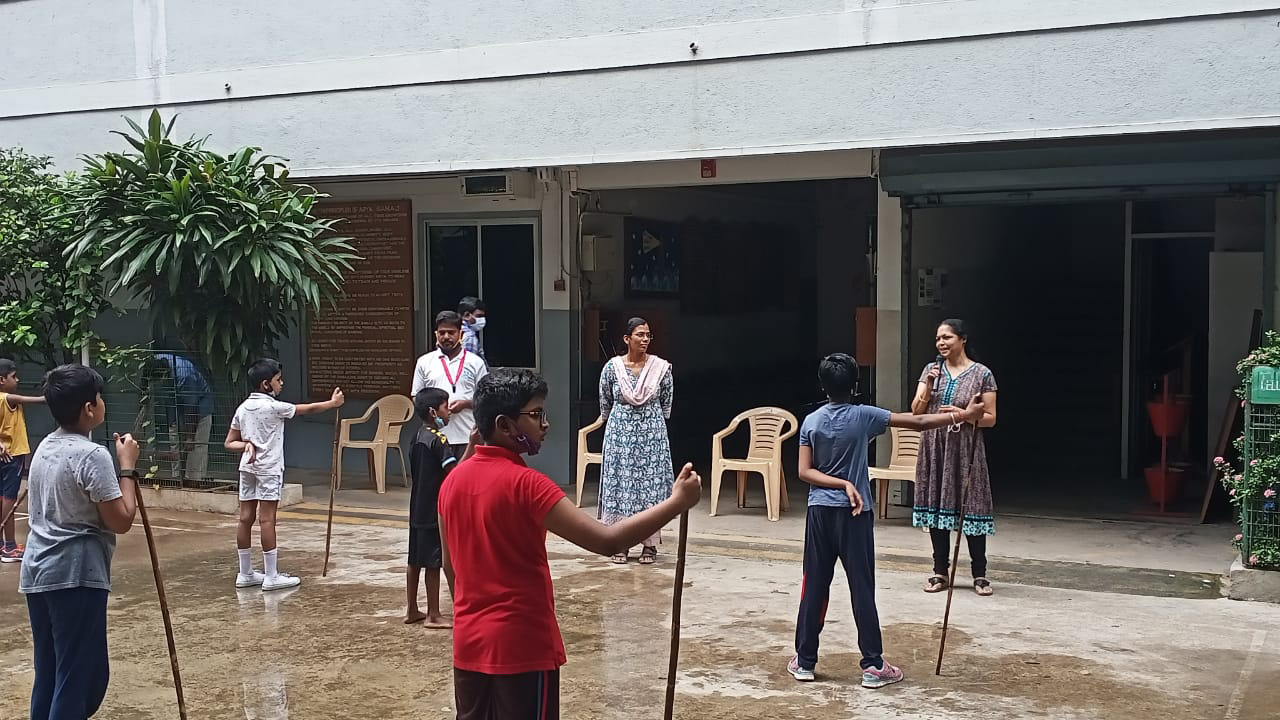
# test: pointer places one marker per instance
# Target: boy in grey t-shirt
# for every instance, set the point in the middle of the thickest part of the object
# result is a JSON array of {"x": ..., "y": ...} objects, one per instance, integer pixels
[{"x": 77, "y": 504}]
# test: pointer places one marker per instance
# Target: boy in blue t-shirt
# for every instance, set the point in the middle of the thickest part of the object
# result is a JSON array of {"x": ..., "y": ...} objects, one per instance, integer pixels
[{"x": 833, "y": 459}]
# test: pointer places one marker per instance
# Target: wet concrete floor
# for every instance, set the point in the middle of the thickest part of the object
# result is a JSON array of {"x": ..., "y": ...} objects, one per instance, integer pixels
[{"x": 1056, "y": 641}]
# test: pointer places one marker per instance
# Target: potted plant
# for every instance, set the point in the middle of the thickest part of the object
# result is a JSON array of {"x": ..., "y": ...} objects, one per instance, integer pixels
[
  {"x": 1164, "y": 484},
  {"x": 1168, "y": 416}
]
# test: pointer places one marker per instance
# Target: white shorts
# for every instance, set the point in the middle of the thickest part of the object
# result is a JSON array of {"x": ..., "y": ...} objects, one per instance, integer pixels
[{"x": 255, "y": 487}]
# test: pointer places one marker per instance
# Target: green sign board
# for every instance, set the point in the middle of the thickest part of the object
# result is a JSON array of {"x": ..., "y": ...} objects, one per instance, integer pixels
[{"x": 1264, "y": 386}]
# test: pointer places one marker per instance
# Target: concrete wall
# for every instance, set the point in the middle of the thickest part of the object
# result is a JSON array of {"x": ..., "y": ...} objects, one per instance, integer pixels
[
  {"x": 405, "y": 86},
  {"x": 891, "y": 362},
  {"x": 966, "y": 242},
  {"x": 434, "y": 197},
  {"x": 1235, "y": 291}
]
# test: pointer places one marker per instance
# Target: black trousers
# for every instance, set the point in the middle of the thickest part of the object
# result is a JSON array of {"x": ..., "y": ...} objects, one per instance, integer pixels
[
  {"x": 833, "y": 533},
  {"x": 69, "y": 632},
  {"x": 941, "y": 540},
  {"x": 526, "y": 696}
]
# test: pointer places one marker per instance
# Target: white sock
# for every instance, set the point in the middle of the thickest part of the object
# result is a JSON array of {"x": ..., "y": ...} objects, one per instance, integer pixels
[
  {"x": 246, "y": 561},
  {"x": 269, "y": 563}
]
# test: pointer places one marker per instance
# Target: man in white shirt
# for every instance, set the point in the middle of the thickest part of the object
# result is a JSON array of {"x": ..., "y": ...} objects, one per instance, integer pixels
[{"x": 451, "y": 368}]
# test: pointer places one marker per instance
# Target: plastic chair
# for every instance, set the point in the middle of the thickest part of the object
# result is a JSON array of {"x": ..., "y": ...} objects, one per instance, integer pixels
[
  {"x": 587, "y": 458},
  {"x": 394, "y": 412},
  {"x": 769, "y": 428},
  {"x": 902, "y": 466}
]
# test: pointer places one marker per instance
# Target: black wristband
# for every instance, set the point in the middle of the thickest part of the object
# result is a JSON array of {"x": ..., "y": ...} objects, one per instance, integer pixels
[{"x": 131, "y": 473}]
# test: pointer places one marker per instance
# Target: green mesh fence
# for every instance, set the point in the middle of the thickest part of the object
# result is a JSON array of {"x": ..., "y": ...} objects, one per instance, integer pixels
[
  {"x": 1259, "y": 520},
  {"x": 181, "y": 429},
  {"x": 1260, "y": 527}
]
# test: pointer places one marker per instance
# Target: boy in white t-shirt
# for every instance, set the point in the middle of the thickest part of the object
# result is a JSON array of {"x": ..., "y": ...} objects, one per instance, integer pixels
[
  {"x": 454, "y": 370},
  {"x": 257, "y": 432}
]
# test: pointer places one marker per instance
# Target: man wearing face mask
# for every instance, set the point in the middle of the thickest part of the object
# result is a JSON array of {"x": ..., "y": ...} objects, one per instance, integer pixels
[
  {"x": 456, "y": 370},
  {"x": 473, "y": 321}
]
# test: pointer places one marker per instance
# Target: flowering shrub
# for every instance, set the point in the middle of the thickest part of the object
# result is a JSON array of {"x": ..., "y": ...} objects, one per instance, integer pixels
[
  {"x": 1267, "y": 355},
  {"x": 1258, "y": 482},
  {"x": 1254, "y": 489}
]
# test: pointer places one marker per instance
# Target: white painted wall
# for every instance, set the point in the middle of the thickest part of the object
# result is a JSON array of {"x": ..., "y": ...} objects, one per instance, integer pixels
[
  {"x": 401, "y": 86},
  {"x": 1235, "y": 291},
  {"x": 891, "y": 360}
]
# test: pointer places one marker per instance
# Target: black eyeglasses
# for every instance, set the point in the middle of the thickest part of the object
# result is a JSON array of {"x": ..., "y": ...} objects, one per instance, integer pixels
[{"x": 539, "y": 415}]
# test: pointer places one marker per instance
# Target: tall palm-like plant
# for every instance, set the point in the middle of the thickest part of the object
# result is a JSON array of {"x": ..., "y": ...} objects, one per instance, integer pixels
[{"x": 224, "y": 249}]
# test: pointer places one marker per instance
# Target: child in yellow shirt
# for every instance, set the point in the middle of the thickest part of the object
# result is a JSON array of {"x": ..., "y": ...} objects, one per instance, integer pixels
[{"x": 14, "y": 450}]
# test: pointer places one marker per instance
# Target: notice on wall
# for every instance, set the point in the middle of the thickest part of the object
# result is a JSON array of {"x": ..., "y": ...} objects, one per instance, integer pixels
[
  {"x": 365, "y": 346},
  {"x": 930, "y": 285}
]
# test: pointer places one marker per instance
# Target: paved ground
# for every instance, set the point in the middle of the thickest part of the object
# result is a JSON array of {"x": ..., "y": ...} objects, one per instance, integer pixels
[{"x": 1106, "y": 638}]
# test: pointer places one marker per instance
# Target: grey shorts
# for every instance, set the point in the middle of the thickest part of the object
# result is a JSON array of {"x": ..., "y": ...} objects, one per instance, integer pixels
[{"x": 255, "y": 487}]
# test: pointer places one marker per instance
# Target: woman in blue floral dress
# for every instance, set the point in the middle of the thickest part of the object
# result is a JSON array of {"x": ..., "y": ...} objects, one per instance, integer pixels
[{"x": 635, "y": 402}]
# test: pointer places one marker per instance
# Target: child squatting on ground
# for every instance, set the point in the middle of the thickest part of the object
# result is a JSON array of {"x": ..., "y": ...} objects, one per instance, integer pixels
[
  {"x": 14, "y": 450},
  {"x": 257, "y": 432},
  {"x": 833, "y": 460},
  {"x": 494, "y": 516},
  {"x": 77, "y": 504},
  {"x": 430, "y": 460}
]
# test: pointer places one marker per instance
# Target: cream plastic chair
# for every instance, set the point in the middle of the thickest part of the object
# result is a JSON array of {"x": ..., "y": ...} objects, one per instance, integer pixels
[
  {"x": 587, "y": 458},
  {"x": 902, "y": 466},
  {"x": 394, "y": 412},
  {"x": 770, "y": 427}
]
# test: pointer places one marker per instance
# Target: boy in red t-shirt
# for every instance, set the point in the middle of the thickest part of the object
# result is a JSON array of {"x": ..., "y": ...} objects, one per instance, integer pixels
[{"x": 495, "y": 512}]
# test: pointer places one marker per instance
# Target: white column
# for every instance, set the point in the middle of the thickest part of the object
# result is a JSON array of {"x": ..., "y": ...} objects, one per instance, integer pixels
[{"x": 890, "y": 276}]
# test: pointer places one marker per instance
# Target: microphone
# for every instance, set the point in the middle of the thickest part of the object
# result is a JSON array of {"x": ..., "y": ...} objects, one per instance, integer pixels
[{"x": 937, "y": 382}]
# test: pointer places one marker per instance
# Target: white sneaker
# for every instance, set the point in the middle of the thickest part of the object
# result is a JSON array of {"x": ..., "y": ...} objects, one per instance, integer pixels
[
  {"x": 280, "y": 582},
  {"x": 252, "y": 580}
]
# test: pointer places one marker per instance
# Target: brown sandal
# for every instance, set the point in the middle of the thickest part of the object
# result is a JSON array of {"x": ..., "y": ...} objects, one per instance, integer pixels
[
  {"x": 648, "y": 555},
  {"x": 982, "y": 586},
  {"x": 935, "y": 583},
  {"x": 620, "y": 559}
]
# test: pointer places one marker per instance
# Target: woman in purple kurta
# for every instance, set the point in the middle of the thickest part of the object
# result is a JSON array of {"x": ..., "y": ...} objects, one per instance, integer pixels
[{"x": 943, "y": 467}]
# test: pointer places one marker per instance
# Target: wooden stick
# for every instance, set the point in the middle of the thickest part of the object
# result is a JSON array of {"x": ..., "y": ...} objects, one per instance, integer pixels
[
  {"x": 14, "y": 509},
  {"x": 333, "y": 489},
  {"x": 676, "y": 596},
  {"x": 955, "y": 554},
  {"x": 164, "y": 603}
]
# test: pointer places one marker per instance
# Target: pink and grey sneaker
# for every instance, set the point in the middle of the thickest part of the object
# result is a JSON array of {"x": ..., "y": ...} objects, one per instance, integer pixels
[
  {"x": 802, "y": 674},
  {"x": 11, "y": 555},
  {"x": 878, "y": 678}
]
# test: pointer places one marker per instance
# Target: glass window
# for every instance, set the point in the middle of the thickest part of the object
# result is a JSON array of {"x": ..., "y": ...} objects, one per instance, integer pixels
[{"x": 495, "y": 261}]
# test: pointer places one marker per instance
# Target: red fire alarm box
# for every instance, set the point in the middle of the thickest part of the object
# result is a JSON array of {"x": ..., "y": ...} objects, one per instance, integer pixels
[{"x": 708, "y": 169}]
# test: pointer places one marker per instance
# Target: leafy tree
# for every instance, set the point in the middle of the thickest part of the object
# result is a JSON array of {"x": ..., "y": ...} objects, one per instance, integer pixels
[
  {"x": 223, "y": 248},
  {"x": 48, "y": 302}
]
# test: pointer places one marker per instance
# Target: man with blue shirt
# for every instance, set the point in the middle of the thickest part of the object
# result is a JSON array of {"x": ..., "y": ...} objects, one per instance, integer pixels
[
  {"x": 188, "y": 412},
  {"x": 474, "y": 319},
  {"x": 833, "y": 459}
]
